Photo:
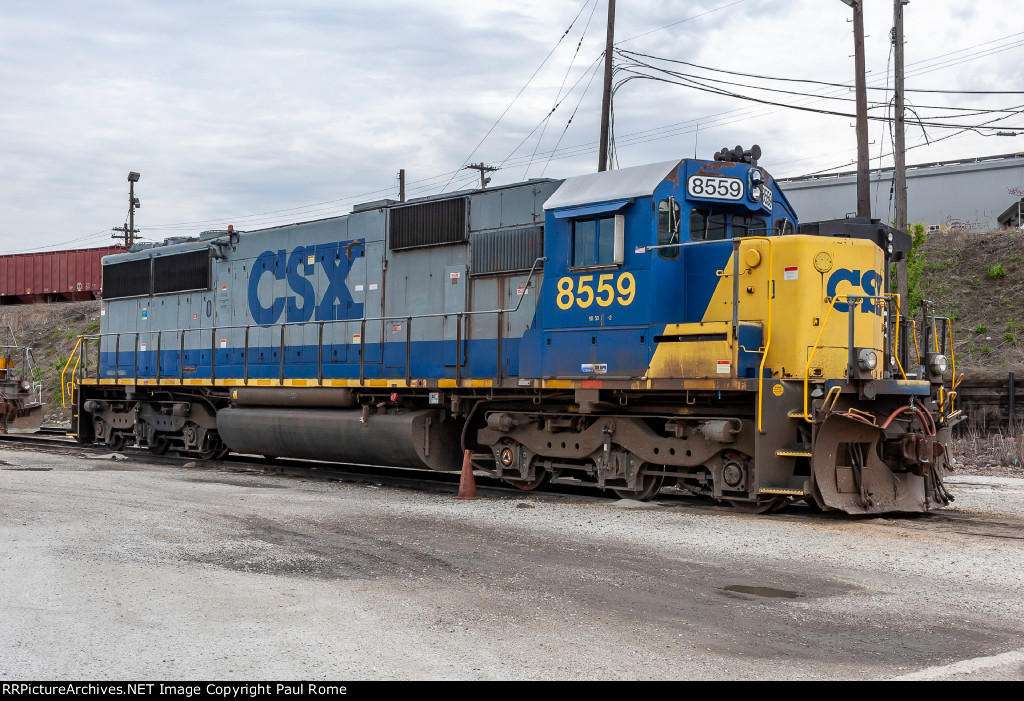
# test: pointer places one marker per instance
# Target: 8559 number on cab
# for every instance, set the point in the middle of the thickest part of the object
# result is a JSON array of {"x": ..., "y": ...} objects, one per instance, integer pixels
[{"x": 584, "y": 293}]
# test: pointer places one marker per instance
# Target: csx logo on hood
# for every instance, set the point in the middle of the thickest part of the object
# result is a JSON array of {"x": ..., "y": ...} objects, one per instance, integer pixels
[
  {"x": 868, "y": 283},
  {"x": 298, "y": 267}
]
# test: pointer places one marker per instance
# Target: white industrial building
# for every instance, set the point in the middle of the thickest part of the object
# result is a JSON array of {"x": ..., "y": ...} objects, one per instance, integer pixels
[{"x": 977, "y": 194}]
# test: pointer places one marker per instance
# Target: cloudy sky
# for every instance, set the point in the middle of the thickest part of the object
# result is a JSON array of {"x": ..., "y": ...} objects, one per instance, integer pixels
[{"x": 259, "y": 113}]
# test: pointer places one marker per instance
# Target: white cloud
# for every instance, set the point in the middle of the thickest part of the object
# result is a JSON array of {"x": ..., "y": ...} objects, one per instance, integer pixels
[{"x": 230, "y": 109}]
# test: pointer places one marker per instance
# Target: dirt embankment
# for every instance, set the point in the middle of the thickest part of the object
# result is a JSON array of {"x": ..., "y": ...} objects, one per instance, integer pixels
[
  {"x": 51, "y": 331},
  {"x": 977, "y": 280}
]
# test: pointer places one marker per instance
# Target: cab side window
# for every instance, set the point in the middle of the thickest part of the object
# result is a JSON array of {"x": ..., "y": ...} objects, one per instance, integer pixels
[
  {"x": 669, "y": 216},
  {"x": 593, "y": 242},
  {"x": 783, "y": 227},
  {"x": 706, "y": 225},
  {"x": 748, "y": 226}
]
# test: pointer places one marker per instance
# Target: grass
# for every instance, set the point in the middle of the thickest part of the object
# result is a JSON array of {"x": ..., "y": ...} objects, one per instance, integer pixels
[
  {"x": 996, "y": 271},
  {"x": 1007, "y": 450}
]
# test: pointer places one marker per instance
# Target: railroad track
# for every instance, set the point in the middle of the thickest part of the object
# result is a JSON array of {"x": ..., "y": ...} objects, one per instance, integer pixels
[
  {"x": 56, "y": 438},
  {"x": 51, "y": 438}
]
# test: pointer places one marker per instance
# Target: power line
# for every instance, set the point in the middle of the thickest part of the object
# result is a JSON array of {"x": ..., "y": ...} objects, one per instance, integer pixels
[
  {"x": 627, "y": 53},
  {"x": 721, "y": 7},
  {"x": 700, "y": 86},
  {"x": 521, "y": 90}
]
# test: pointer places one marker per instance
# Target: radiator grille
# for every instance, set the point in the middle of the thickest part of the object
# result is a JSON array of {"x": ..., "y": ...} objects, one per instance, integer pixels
[
  {"x": 181, "y": 272},
  {"x": 507, "y": 251},
  {"x": 428, "y": 224},
  {"x": 127, "y": 279}
]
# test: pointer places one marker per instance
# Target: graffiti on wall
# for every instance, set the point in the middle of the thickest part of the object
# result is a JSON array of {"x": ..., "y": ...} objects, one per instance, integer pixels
[{"x": 977, "y": 224}]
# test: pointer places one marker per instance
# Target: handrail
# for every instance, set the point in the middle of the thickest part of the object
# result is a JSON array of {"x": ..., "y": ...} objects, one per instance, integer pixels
[
  {"x": 283, "y": 326},
  {"x": 848, "y": 299},
  {"x": 948, "y": 327},
  {"x": 63, "y": 391},
  {"x": 896, "y": 338},
  {"x": 768, "y": 333}
]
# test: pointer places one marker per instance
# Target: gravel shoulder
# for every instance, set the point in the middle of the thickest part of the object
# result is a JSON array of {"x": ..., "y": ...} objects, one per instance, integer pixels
[{"x": 126, "y": 569}]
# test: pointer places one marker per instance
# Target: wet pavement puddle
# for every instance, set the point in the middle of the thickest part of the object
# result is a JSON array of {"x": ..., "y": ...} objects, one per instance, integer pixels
[{"x": 766, "y": 592}]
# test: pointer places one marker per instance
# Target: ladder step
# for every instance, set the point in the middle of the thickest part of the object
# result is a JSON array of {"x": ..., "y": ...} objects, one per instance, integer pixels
[
  {"x": 796, "y": 414},
  {"x": 800, "y": 450},
  {"x": 783, "y": 492},
  {"x": 793, "y": 453}
]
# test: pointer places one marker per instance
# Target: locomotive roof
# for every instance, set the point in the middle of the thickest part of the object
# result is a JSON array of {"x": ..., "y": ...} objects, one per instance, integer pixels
[{"x": 625, "y": 183}]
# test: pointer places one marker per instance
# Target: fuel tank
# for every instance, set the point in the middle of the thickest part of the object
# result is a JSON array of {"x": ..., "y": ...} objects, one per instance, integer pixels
[{"x": 401, "y": 438}]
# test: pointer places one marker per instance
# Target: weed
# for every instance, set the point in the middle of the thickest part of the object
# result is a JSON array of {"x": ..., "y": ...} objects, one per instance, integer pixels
[
  {"x": 979, "y": 329},
  {"x": 1010, "y": 338},
  {"x": 987, "y": 350},
  {"x": 955, "y": 316},
  {"x": 996, "y": 271},
  {"x": 916, "y": 267}
]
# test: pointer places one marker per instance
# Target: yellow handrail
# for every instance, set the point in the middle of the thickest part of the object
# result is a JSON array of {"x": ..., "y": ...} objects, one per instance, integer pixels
[
  {"x": 896, "y": 340},
  {"x": 814, "y": 349},
  {"x": 768, "y": 334},
  {"x": 65, "y": 388},
  {"x": 817, "y": 342}
]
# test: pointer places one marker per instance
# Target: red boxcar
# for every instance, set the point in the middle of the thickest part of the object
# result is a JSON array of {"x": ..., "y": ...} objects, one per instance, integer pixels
[{"x": 53, "y": 276}]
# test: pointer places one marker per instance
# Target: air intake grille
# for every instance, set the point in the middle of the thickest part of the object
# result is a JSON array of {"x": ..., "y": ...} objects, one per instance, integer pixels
[
  {"x": 185, "y": 271},
  {"x": 507, "y": 251},
  {"x": 428, "y": 224},
  {"x": 127, "y": 279}
]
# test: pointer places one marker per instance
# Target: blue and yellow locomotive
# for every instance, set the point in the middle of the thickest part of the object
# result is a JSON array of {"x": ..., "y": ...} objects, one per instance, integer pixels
[{"x": 668, "y": 324}]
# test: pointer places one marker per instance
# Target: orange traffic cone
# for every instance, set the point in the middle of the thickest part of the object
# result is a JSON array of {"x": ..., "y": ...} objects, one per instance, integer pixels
[{"x": 467, "y": 487}]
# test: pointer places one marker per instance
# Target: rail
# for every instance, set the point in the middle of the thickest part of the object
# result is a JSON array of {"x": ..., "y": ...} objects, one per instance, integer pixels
[
  {"x": 896, "y": 334},
  {"x": 852, "y": 301},
  {"x": 66, "y": 387},
  {"x": 947, "y": 329},
  {"x": 461, "y": 332},
  {"x": 768, "y": 324}
]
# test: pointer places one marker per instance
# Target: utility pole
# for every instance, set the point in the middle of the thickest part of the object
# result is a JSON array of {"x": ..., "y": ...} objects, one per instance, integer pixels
[
  {"x": 401, "y": 185},
  {"x": 483, "y": 169},
  {"x": 900, "y": 151},
  {"x": 128, "y": 231},
  {"x": 863, "y": 161},
  {"x": 606, "y": 98}
]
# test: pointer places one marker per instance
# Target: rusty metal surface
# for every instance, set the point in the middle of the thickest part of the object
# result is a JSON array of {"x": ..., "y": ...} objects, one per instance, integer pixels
[{"x": 52, "y": 276}]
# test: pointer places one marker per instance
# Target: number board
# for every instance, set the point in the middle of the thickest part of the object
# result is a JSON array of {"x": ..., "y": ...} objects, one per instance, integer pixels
[
  {"x": 766, "y": 197},
  {"x": 714, "y": 187}
]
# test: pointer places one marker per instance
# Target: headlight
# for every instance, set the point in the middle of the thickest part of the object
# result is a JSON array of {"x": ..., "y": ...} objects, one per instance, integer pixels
[
  {"x": 867, "y": 359},
  {"x": 938, "y": 364},
  {"x": 755, "y": 193},
  {"x": 756, "y": 176},
  {"x": 889, "y": 249},
  {"x": 890, "y": 237}
]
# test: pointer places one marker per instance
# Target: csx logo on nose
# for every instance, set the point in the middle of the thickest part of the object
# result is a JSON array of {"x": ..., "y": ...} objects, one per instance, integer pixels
[
  {"x": 334, "y": 259},
  {"x": 868, "y": 282}
]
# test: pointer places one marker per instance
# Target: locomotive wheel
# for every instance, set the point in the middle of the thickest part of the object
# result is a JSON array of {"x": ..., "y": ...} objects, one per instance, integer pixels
[
  {"x": 213, "y": 453},
  {"x": 160, "y": 445},
  {"x": 758, "y": 507},
  {"x": 648, "y": 489},
  {"x": 117, "y": 442},
  {"x": 543, "y": 479}
]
